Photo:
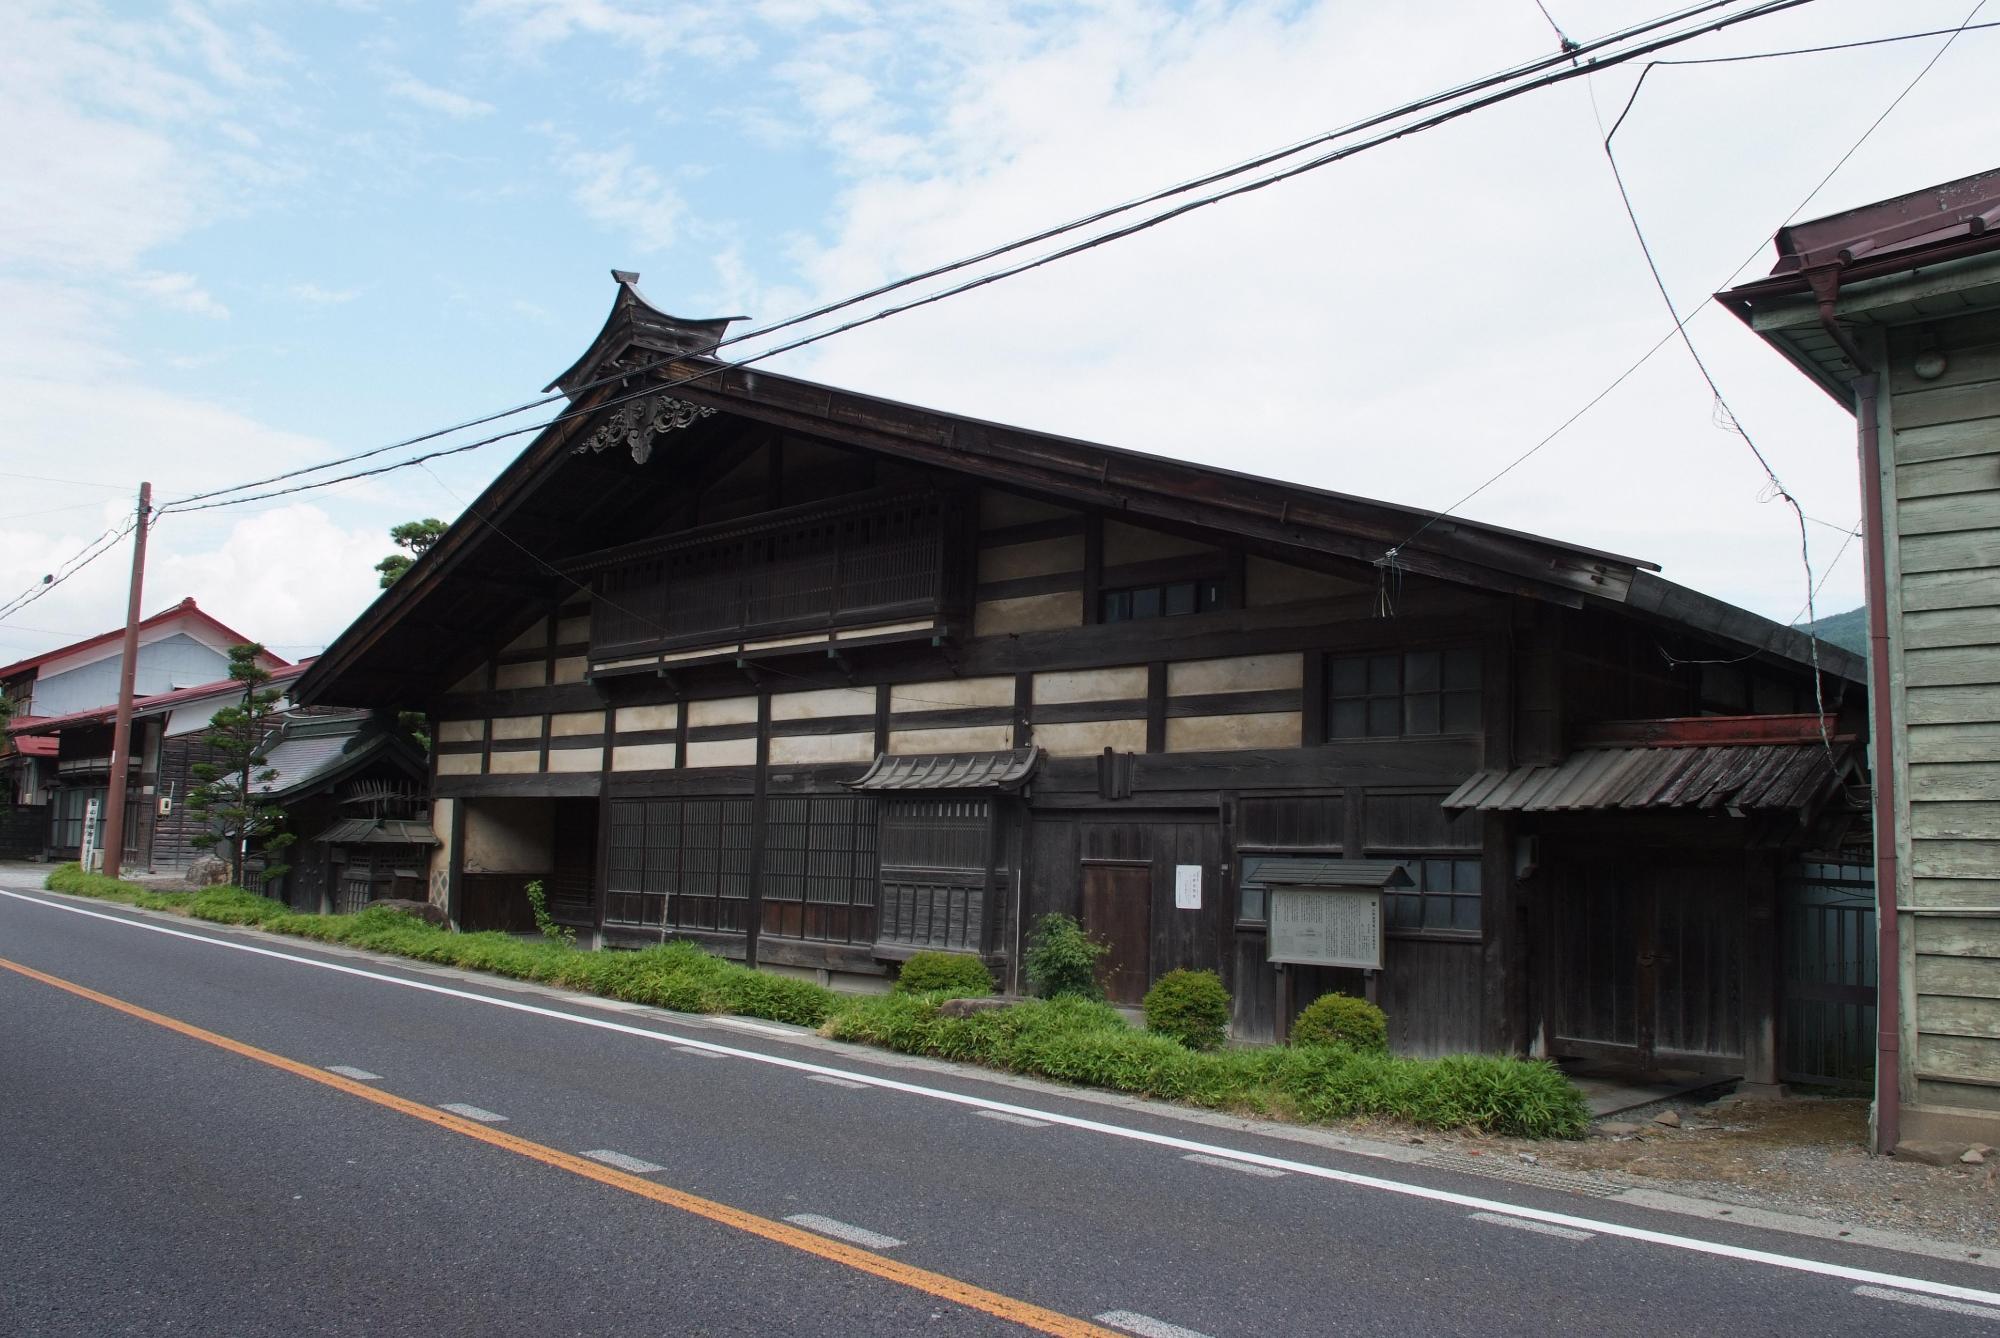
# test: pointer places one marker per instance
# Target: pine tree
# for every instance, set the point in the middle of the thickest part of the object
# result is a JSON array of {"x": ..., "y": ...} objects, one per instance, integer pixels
[
  {"x": 239, "y": 736},
  {"x": 416, "y": 536}
]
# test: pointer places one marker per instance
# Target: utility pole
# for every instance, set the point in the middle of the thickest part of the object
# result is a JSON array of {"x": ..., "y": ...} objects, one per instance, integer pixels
[{"x": 121, "y": 733}]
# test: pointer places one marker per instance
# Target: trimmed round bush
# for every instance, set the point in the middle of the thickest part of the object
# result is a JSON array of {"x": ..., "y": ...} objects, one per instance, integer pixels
[
  {"x": 928, "y": 972},
  {"x": 1062, "y": 960},
  {"x": 1342, "y": 1019},
  {"x": 1190, "y": 1006}
]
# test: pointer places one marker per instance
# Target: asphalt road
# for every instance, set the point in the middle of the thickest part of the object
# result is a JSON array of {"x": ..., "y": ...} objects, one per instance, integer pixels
[{"x": 156, "y": 1181}]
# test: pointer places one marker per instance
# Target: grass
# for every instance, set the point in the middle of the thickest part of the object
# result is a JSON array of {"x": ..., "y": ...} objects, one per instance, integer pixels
[
  {"x": 1075, "y": 1040},
  {"x": 1068, "y": 1039}
]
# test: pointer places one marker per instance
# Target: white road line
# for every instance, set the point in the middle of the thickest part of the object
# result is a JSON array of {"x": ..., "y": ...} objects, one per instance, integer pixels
[
  {"x": 1542, "y": 1228},
  {"x": 1145, "y": 1325},
  {"x": 1928, "y": 1302},
  {"x": 847, "y": 1231},
  {"x": 686, "y": 1047},
  {"x": 623, "y": 1162},
  {"x": 1012, "y": 1118},
  {"x": 473, "y": 1113},
  {"x": 768, "y": 1029},
  {"x": 349, "y": 1071},
  {"x": 832, "y": 1081},
  {"x": 1231, "y": 1164},
  {"x": 1474, "y": 1203}
]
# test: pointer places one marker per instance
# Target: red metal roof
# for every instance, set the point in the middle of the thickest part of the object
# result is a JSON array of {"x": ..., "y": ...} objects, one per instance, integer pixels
[
  {"x": 153, "y": 705},
  {"x": 186, "y": 606}
]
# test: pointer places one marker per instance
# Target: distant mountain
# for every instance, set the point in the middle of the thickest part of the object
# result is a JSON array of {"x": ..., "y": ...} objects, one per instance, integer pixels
[{"x": 1848, "y": 630}]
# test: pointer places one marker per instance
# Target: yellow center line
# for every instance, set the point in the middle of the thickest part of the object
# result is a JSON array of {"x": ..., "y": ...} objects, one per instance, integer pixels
[{"x": 1023, "y": 1313}]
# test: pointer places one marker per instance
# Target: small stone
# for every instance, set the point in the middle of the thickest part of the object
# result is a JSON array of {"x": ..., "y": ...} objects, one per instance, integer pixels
[
  {"x": 1972, "y": 1157},
  {"x": 1670, "y": 1118},
  {"x": 1416, "y": 1138},
  {"x": 1530, "y": 1158},
  {"x": 1843, "y": 1233},
  {"x": 1615, "y": 1127},
  {"x": 967, "y": 1007}
]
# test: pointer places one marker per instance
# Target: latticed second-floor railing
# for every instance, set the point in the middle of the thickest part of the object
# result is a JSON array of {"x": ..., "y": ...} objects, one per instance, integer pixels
[{"x": 806, "y": 568}]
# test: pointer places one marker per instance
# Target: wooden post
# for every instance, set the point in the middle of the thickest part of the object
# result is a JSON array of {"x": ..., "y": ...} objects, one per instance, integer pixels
[
  {"x": 121, "y": 732},
  {"x": 1281, "y": 1023}
]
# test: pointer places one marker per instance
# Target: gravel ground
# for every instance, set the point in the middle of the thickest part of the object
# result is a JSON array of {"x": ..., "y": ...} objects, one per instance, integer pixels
[{"x": 1802, "y": 1155}]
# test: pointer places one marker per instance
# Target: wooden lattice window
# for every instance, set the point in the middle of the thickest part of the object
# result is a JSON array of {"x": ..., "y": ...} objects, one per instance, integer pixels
[{"x": 1403, "y": 694}]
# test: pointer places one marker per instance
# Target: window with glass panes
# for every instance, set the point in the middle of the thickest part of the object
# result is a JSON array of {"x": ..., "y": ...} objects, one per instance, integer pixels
[
  {"x": 1403, "y": 693},
  {"x": 1160, "y": 601},
  {"x": 1443, "y": 895}
]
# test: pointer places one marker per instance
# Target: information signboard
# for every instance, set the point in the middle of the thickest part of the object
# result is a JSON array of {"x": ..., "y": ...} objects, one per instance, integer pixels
[
  {"x": 1325, "y": 926},
  {"x": 1187, "y": 887}
]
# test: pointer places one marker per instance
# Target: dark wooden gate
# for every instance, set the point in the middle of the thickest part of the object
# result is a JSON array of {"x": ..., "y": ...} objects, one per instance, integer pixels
[
  {"x": 1118, "y": 910},
  {"x": 1649, "y": 962},
  {"x": 1828, "y": 926}
]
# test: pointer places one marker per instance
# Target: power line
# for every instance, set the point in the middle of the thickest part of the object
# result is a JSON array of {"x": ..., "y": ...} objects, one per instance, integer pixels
[
  {"x": 1263, "y": 160},
  {"x": 1681, "y": 322},
  {"x": 50, "y": 582},
  {"x": 1100, "y": 239},
  {"x": 1729, "y": 419}
]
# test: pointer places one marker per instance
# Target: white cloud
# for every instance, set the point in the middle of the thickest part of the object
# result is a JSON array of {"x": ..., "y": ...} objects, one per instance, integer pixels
[
  {"x": 320, "y": 296},
  {"x": 432, "y": 98},
  {"x": 616, "y": 191},
  {"x": 182, "y": 292},
  {"x": 1399, "y": 325}
]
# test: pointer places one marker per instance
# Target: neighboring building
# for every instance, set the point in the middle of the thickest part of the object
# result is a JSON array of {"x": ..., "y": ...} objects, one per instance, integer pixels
[
  {"x": 330, "y": 767},
  {"x": 1894, "y": 310},
  {"x": 821, "y": 680},
  {"x": 180, "y": 648}
]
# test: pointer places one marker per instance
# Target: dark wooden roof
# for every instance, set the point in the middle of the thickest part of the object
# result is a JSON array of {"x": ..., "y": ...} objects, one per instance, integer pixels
[
  {"x": 1727, "y": 764},
  {"x": 1386, "y": 873},
  {"x": 1008, "y": 770},
  {"x": 556, "y": 502}
]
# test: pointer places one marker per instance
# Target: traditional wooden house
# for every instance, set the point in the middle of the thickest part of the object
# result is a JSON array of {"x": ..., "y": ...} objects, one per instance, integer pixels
[
  {"x": 820, "y": 680},
  {"x": 1894, "y": 310},
  {"x": 59, "y": 739}
]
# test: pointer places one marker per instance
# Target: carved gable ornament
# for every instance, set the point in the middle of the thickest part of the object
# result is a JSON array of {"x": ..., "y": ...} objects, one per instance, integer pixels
[{"x": 637, "y": 423}]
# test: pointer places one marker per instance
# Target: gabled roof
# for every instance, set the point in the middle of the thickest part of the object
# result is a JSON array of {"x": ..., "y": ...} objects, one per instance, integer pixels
[
  {"x": 558, "y": 500},
  {"x": 315, "y": 752},
  {"x": 186, "y": 608},
  {"x": 156, "y": 704}
]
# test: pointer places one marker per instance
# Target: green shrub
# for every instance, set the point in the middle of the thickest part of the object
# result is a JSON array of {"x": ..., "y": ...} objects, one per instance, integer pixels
[
  {"x": 233, "y": 906},
  {"x": 1062, "y": 960},
  {"x": 1342, "y": 1019},
  {"x": 929, "y": 972},
  {"x": 1190, "y": 1006}
]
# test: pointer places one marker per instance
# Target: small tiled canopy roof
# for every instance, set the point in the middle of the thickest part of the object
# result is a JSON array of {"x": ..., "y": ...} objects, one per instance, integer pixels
[{"x": 951, "y": 771}]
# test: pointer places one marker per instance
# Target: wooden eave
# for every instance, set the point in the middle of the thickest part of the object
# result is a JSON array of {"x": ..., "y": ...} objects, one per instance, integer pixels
[{"x": 552, "y": 504}]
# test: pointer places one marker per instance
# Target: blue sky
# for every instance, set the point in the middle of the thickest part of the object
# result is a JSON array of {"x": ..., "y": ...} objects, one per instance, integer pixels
[{"x": 236, "y": 238}]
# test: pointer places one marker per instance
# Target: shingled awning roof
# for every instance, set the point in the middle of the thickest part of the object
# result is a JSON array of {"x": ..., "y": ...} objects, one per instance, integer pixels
[
  {"x": 1730, "y": 764},
  {"x": 1362, "y": 873},
  {"x": 379, "y": 831},
  {"x": 951, "y": 771}
]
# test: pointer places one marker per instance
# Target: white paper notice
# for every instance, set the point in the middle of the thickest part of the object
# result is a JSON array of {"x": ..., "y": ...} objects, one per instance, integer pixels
[{"x": 1187, "y": 887}]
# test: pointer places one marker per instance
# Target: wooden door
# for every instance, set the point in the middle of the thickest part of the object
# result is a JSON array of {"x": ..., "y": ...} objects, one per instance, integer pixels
[
  {"x": 1118, "y": 910},
  {"x": 1650, "y": 962}
]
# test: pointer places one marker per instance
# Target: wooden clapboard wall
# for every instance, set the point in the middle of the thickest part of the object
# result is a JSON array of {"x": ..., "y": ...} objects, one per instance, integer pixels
[{"x": 1941, "y": 485}]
